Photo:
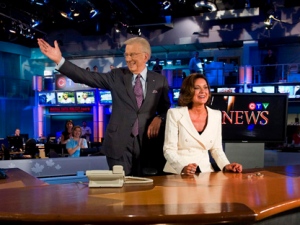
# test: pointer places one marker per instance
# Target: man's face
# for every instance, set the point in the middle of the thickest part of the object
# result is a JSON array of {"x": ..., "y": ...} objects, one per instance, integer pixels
[
  {"x": 65, "y": 96},
  {"x": 84, "y": 96},
  {"x": 135, "y": 58},
  {"x": 17, "y": 132}
]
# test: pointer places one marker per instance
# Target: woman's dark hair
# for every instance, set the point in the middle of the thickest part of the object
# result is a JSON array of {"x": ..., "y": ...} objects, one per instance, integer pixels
[
  {"x": 187, "y": 90},
  {"x": 68, "y": 121}
]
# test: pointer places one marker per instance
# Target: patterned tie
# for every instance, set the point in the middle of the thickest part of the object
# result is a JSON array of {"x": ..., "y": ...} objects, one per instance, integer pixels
[{"x": 138, "y": 91}]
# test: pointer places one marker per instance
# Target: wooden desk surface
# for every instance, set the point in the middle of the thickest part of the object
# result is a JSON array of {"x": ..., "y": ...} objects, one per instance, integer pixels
[
  {"x": 17, "y": 178},
  {"x": 204, "y": 198}
]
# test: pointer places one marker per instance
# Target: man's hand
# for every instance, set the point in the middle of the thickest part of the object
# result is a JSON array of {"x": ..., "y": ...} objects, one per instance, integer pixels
[
  {"x": 154, "y": 127},
  {"x": 52, "y": 53}
]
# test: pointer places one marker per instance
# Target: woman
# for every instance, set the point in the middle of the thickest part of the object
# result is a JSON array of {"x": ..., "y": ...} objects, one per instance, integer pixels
[
  {"x": 75, "y": 143},
  {"x": 192, "y": 130},
  {"x": 67, "y": 133}
]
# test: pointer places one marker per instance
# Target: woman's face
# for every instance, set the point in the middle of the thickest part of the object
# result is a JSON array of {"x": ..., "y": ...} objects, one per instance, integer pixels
[
  {"x": 69, "y": 125},
  {"x": 77, "y": 132},
  {"x": 202, "y": 92}
]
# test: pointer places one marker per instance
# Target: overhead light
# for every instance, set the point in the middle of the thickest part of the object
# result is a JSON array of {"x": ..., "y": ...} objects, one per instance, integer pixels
[
  {"x": 93, "y": 13},
  {"x": 210, "y": 6},
  {"x": 39, "y": 2},
  {"x": 247, "y": 4},
  {"x": 66, "y": 15},
  {"x": 269, "y": 22},
  {"x": 134, "y": 31},
  {"x": 34, "y": 23},
  {"x": 14, "y": 28},
  {"x": 79, "y": 10},
  {"x": 166, "y": 5}
]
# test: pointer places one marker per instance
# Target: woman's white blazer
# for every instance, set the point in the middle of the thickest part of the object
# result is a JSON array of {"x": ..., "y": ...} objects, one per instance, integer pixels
[{"x": 183, "y": 144}]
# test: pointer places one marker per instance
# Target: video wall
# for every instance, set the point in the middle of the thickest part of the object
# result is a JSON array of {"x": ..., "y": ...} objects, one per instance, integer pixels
[
  {"x": 291, "y": 89},
  {"x": 79, "y": 97}
]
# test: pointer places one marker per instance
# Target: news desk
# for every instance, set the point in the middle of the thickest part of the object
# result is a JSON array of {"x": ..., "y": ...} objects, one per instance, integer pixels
[{"x": 260, "y": 196}]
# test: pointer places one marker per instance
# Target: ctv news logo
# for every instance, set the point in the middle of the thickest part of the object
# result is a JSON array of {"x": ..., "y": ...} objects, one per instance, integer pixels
[{"x": 257, "y": 113}]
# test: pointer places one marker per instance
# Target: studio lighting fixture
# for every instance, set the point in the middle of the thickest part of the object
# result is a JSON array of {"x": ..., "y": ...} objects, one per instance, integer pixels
[
  {"x": 39, "y": 2},
  {"x": 79, "y": 10},
  {"x": 13, "y": 29},
  {"x": 210, "y": 6},
  {"x": 34, "y": 22},
  {"x": 166, "y": 5},
  {"x": 134, "y": 31},
  {"x": 269, "y": 22},
  {"x": 93, "y": 13}
]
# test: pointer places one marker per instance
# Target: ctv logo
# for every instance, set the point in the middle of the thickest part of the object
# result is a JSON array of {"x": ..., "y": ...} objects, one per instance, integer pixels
[{"x": 258, "y": 106}]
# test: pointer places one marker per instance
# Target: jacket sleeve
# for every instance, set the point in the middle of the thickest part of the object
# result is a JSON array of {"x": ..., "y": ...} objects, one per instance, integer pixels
[
  {"x": 171, "y": 142},
  {"x": 217, "y": 151}
]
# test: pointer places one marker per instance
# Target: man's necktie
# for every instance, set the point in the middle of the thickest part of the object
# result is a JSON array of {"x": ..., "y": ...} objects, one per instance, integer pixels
[{"x": 138, "y": 91}]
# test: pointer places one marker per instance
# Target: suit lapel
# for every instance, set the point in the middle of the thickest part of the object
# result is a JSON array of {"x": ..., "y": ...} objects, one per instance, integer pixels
[
  {"x": 150, "y": 85},
  {"x": 189, "y": 127},
  {"x": 187, "y": 123}
]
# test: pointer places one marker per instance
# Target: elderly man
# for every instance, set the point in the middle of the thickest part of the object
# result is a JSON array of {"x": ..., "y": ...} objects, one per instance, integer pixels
[{"x": 140, "y": 102}]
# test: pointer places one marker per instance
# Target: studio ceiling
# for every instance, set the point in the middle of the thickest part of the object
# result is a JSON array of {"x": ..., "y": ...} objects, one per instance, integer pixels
[{"x": 129, "y": 13}]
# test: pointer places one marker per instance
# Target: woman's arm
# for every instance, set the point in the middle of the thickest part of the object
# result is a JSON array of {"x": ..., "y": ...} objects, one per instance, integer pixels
[
  {"x": 83, "y": 143},
  {"x": 72, "y": 147}
]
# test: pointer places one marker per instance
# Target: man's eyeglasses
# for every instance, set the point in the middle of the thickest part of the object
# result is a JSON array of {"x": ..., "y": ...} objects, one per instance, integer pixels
[{"x": 131, "y": 55}]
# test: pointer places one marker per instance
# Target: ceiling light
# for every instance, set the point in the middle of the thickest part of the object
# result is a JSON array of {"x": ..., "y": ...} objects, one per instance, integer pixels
[
  {"x": 66, "y": 15},
  {"x": 34, "y": 23},
  {"x": 13, "y": 29},
  {"x": 93, "y": 13},
  {"x": 39, "y": 2},
  {"x": 166, "y": 5},
  {"x": 269, "y": 22},
  {"x": 134, "y": 31},
  {"x": 210, "y": 6}
]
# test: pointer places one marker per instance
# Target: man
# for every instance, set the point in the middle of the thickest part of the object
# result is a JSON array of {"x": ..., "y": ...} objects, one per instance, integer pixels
[
  {"x": 86, "y": 131},
  {"x": 95, "y": 68},
  {"x": 157, "y": 68},
  {"x": 85, "y": 98},
  {"x": 195, "y": 64},
  {"x": 120, "y": 145},
  {"x": 270, "y": 70},
  {"x": 17, "y": 132},
  {"x": 65, "y": 98}
]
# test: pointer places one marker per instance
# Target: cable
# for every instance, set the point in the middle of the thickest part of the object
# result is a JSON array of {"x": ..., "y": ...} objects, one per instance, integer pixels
[{"x": 137, "y": 180}]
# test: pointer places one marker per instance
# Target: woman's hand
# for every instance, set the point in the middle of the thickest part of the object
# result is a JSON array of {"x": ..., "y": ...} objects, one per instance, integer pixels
[
  {"x": 234, "y": 167},
  {"x": 190, "y": 169}
]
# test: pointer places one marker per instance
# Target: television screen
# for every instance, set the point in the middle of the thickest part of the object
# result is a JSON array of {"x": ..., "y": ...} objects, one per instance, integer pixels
[
  {"x": 263, "y": 89},
  {"x": 65, "y": 97},
  {"x": 170, "y": 62},
  {"x": 175, "y": 94},
  {"x": 251, "y": 117},
  {"x": 293, "y": 91},
  {"x": 47, "y": 98},
  {"x": 226, "y": 89},
  {"x": 105, "y": 97},
  {"x": 85, "y": 97}
]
